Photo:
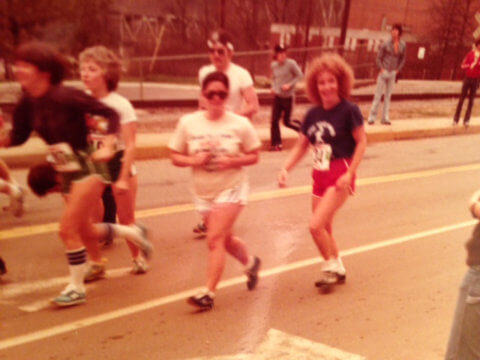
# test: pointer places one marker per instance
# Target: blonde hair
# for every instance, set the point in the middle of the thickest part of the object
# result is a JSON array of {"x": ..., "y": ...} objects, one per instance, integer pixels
[
  {"x": 106, "y": 59},
  {"x": 334, "y": 64}
]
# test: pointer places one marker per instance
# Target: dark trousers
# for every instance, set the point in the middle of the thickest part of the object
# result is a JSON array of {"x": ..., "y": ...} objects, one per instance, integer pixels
[
  {"x": 469, "y": 88},
  {"x": 109, "y": 206},
  {"x": 281, "y": 105}
]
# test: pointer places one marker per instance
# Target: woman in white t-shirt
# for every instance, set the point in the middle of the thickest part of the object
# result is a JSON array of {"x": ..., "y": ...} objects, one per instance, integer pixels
[
  {"x": 216, "y": 144},
  {"x": 100, "y": 71}
]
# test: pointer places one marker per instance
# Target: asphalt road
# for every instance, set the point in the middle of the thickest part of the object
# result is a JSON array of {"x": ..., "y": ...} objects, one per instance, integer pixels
[{"x": 401, "y": 236}]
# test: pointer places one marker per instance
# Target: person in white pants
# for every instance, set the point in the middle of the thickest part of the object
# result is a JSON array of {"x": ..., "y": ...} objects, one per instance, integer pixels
[{"x": 390, "y": 60}]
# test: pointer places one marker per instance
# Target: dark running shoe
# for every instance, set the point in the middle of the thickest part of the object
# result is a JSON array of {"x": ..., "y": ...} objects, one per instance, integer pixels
[
  {"x": 276, "y": 148},
  {"x": 3, "y": 267},
  {"x": 297, "y": 124},
  {"x": 200, "y": 229},
  {"x": 252, "y": 274},
  {"x": 202, "y": 300}
]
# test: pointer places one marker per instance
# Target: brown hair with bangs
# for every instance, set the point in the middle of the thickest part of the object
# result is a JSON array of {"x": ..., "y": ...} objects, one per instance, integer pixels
[{"x": 334, "y": 64}]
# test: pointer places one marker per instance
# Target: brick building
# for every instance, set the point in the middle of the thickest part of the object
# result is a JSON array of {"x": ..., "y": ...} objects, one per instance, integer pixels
[{"x": 369, "y": 25}]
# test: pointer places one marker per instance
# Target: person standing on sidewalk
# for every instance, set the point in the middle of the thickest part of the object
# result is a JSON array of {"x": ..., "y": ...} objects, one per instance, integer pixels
[
  {"x": 285, "y": 74},
  {"x": 464, "y": 339},
  {"x": 334, "y": 130},
  {"x": 471, "y": 66},
  {"x": 390, "y": 60},
  {"x": 217, "y": 144},
  {"x": 242, "y": 98}
]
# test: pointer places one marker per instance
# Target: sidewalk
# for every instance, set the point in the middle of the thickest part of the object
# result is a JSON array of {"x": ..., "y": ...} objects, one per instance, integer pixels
[{"x": 154, "y": 145}]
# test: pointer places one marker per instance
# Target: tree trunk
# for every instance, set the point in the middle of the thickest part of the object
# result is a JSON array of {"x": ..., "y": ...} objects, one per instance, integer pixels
[
  {"x": 307, "y": 34},
  {"x": 461, "y": 37},
  {"x": 446, "y": 38}
]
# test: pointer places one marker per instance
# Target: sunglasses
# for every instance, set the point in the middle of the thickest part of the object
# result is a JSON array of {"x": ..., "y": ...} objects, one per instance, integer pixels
[
  {"x": 221, "y": 94},
  {"x": 218, "y": 51}
]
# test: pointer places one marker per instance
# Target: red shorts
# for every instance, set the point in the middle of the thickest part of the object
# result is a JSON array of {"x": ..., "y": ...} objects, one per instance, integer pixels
[{"x": 322, "y": 180}]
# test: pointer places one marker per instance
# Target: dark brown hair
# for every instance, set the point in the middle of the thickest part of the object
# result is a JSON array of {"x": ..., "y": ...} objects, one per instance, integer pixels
[
  {"x": 45, "y": 58},
  {"x": 215, "y": 76},
  {"x": 42, "y": 178}
]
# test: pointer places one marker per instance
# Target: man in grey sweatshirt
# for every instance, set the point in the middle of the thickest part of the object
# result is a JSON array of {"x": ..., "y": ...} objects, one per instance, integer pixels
[
  {"x": 285, "y": 74},
  {"x": 390, "y": 60}
]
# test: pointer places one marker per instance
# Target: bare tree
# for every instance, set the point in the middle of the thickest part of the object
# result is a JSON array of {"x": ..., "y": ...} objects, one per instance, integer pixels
[
  {"x": 452, "y": 25},
  {"x": 277, "y": 10},
  {"x": 23, "y": 20},
  {"x": 72, "y": 24}
]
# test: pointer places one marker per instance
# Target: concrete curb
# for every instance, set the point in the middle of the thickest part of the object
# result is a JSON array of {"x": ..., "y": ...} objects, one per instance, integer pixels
[{"x": 154, "y": 146}]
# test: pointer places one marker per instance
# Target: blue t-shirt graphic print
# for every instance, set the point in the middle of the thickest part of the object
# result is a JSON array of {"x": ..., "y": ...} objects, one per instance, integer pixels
[{"x": 333, "y": 127}]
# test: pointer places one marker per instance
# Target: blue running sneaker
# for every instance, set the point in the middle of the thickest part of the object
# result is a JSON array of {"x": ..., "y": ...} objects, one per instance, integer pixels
[{"x": 69, "y": 298}]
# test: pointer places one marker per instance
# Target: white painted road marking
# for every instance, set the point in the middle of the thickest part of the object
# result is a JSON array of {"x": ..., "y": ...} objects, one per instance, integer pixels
[
  {"x": 61, "y": 329},
  {"x": 282, "y": 346}
]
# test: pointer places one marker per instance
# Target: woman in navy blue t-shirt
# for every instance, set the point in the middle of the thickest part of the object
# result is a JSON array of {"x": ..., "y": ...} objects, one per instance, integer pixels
[{"x": 335, "y": 132}]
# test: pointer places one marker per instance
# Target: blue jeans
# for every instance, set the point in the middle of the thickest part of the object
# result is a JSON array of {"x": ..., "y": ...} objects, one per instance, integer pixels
[
  {"x": 385, "y": 82},
  {"x": 464, "y": 341}
]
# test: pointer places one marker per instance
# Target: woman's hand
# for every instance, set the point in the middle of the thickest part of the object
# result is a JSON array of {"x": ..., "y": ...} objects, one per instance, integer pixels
[
  {"x": 282, "y": 178},
  {"x": 344, "y": 181},
  {"x": 121, "y": 186},
  {"x": 201, "y": 158},
  {"x": 223, "y": 162}
]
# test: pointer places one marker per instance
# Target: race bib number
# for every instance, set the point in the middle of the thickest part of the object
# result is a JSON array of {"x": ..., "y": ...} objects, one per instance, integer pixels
[
  {"x": 322, "y": 153},
  {"x": 97, "y": 141},
  {"x": 63, "y": 158}
]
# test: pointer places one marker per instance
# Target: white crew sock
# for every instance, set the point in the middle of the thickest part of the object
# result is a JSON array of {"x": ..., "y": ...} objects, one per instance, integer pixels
[{"x": 334, "y": 264}]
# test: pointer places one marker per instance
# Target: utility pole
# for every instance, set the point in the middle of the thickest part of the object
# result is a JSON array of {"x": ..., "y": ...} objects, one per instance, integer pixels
[
  {"x": 222, "y": 13},
  {"x": 343, "y": 33},
  {"x": 307, "y": 33}
]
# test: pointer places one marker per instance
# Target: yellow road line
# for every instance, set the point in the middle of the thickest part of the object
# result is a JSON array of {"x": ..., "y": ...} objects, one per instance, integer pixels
[{"x": 265, "y": 195}]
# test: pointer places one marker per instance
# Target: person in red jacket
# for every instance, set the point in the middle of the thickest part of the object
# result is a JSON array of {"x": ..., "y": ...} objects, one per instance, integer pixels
[{"x": 471, "y": 66}]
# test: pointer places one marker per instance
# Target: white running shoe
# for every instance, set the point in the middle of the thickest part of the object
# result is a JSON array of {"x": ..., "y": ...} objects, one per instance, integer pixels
[{"x": 140, "y": 266}]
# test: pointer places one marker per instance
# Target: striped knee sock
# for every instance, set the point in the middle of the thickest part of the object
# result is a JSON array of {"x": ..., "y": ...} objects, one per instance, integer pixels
[{"x": 77, "y": 264}]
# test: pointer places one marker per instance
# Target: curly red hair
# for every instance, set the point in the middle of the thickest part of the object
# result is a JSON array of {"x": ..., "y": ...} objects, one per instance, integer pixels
[{"x": 334, "y": 64}]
